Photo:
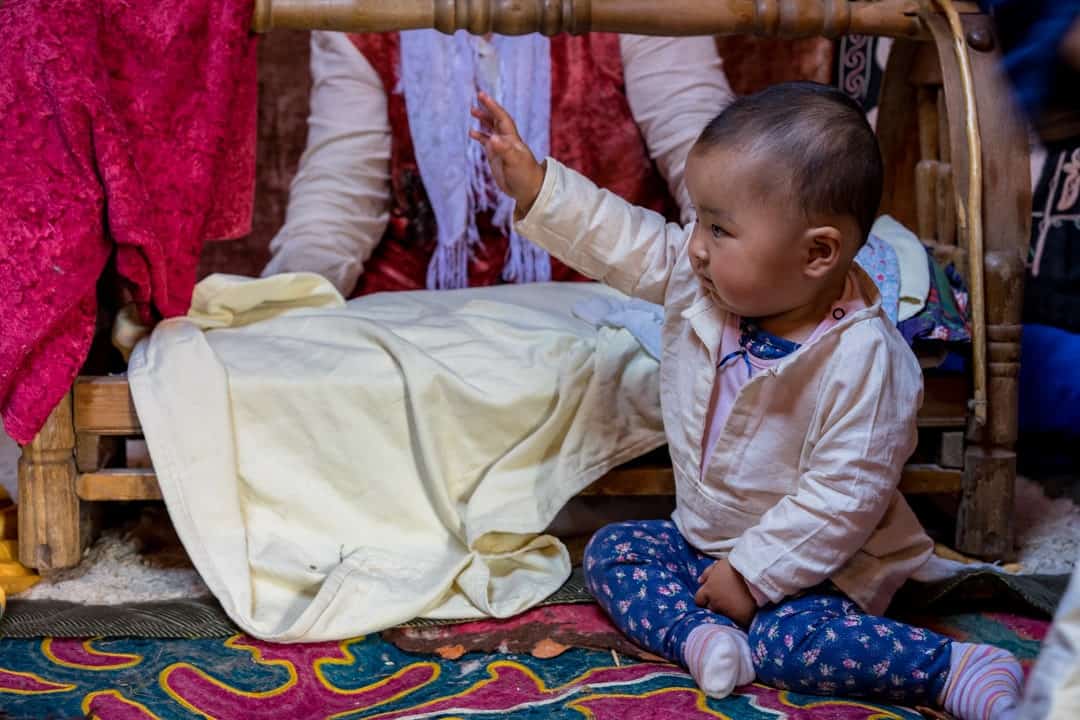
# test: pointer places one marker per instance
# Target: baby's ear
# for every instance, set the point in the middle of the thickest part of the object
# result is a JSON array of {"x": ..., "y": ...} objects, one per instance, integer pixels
[{"x": 823, "y": 247}]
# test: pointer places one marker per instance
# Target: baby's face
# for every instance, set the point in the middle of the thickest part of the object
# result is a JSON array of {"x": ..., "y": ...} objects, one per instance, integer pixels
[{"x": 746, "y": 247}]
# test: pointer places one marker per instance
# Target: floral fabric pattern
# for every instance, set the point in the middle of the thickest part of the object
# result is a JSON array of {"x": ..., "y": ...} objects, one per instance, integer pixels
[{"x": 644, "y": 575}]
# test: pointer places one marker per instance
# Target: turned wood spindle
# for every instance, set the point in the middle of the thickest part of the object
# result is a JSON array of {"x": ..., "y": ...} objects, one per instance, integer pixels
[
  {"x": 49, "y": 527},
  {"x": 779, "y": 18}
]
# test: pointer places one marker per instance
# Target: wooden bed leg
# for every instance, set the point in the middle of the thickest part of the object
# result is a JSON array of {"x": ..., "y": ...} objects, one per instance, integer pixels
[
  {"x": 49, "y": 532},
  {"x": 984, "y": 525},
  {"x": 985, "y": 520}
]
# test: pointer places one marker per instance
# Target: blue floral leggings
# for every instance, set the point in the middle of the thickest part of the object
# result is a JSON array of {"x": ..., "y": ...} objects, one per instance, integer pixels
[{"x": 644, "y": 575}]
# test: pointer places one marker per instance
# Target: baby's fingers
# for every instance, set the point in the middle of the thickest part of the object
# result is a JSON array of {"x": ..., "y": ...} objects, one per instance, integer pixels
[
  {"x": 487, "y": 122},
  {"x": 494, "y": 145},
  {"x": 491, "y": 143},
  {"x": 705, "y": 575},
  {"x": 501, "y": 119}
]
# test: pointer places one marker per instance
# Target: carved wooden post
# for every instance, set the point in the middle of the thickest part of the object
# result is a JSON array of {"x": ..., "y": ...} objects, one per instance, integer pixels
[
  {"x": 781, "y": 18},
  {"x": 49, "y": 537},
  {"x": 984, "y": 523}
]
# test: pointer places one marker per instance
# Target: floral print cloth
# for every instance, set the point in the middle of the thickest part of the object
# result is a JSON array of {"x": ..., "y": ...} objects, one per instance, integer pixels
[{"x": 644, "y": 574}]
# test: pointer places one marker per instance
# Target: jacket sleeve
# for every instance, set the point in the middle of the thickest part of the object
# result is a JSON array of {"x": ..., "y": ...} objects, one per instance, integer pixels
[
  {"x": 867, "y": 406},
  {"x": 600, "y": 235},
  {"x": 674, "y": 87},
  {"x": 339, "y": 201}
]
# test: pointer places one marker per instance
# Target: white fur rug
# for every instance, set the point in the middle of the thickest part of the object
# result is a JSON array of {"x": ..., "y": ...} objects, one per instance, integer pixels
[
  {"x": 113, "y": 572},
  {"x": 1047, "y": 531}
]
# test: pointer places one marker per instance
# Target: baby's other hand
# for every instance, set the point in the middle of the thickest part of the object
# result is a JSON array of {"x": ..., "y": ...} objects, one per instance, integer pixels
[
  {"x": 724, "y": 591},
  {"x": 513, "y": 166}
]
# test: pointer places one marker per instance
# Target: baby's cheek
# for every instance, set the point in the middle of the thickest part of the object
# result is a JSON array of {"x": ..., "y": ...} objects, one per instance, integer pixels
[{"x": 728, "y": 275}]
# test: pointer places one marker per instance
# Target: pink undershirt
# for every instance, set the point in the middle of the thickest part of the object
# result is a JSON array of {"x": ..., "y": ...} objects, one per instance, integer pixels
[{"x": 733, "y": 375}]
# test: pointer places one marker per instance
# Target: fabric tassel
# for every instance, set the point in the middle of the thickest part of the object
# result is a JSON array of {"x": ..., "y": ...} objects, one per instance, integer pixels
[
  {"x": 440, "y": 76},
  {"x": 525, "y": 262},
  {"x": 449, "y": 267}
]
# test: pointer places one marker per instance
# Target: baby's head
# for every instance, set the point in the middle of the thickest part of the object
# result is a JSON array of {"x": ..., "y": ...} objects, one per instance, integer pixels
[{"x": 786, "y": 183}]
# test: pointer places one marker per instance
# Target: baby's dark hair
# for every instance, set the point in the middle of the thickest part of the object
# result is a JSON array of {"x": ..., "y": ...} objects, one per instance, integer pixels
[{"x": 820, "y": 135}]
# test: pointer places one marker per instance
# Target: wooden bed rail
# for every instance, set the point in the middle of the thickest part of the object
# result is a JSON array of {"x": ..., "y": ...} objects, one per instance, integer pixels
[{"x": 778, "y": 18}]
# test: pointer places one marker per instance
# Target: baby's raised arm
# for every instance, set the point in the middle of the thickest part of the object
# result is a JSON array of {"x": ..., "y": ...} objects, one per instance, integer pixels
[{"x": 590, "y": 229}]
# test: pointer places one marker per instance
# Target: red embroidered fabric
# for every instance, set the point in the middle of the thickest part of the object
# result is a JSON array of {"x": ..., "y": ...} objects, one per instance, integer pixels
[
  {"x": 592, "y": 131},
  {"x": 125, "y": 125}
]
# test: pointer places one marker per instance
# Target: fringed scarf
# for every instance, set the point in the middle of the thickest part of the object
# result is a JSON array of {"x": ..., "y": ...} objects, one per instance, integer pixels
[{"x": 440, "y": 75}]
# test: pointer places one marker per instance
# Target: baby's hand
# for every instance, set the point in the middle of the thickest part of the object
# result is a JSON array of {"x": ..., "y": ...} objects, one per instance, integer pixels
[
  {"x": 512, "y": 163},
  {"x": 724, "y": 592}
]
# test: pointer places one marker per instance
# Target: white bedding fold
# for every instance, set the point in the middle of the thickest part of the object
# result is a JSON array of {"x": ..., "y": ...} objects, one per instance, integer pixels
[{"x": 334, "y": 469}]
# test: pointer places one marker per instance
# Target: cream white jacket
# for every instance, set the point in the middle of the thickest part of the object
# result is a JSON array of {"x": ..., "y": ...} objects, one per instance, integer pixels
[{"x": 802, "y": 484}]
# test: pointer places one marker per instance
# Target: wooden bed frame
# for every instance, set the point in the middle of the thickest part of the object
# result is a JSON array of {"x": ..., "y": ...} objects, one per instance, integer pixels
[{"x": 942, "y": 96}]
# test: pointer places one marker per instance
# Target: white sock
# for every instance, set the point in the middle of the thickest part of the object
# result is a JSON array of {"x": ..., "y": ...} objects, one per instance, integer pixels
[{"x": 718, "y": 657}]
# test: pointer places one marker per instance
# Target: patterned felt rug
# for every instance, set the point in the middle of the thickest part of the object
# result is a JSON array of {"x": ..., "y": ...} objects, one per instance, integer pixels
[{"x": 240, "y": 678}]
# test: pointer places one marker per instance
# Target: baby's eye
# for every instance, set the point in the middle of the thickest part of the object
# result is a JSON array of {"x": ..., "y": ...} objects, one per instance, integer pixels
[{"x": 717, "y": 231}]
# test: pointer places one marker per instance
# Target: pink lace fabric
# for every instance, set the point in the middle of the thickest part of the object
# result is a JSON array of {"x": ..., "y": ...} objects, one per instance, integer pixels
[{"x": 126, "y": 125}]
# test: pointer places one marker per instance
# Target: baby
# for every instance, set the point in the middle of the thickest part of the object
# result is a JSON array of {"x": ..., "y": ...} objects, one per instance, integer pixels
[{"x": 789, "y": 402}]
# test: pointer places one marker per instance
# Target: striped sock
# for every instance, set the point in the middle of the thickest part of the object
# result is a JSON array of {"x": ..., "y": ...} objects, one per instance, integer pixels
[
  {"x": 718, "y": 657},
  {"x": 984, "y": 683}
]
